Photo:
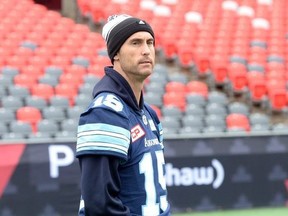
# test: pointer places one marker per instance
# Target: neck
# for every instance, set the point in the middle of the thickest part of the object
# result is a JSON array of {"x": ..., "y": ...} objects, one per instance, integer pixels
[
  {"x": 137, "y": 89},
  {"x": 135, "y": 83}
]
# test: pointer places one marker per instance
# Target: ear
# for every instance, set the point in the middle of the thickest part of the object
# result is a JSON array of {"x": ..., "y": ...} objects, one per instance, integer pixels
[{"x": 116, "y": 58}]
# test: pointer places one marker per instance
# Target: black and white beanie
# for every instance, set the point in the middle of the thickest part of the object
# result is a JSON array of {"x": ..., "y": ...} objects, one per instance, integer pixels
[{"x": 119, "y": 28}]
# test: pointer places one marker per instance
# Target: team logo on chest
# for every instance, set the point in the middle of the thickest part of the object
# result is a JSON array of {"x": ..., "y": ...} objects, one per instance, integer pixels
[
  {"x": 137, "y": 132},
  {"x": 144, "y": 119}
]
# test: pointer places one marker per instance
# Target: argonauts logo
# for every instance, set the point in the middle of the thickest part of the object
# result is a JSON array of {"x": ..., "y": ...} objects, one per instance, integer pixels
[{"x": 187, "y": 176}]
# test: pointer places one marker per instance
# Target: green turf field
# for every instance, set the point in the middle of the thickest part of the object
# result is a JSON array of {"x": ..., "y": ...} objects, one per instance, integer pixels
[{"x": 248, "y": 212}]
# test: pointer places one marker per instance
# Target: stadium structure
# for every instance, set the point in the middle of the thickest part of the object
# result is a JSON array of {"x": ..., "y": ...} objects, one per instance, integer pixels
[{"x": 219, "y": 87}]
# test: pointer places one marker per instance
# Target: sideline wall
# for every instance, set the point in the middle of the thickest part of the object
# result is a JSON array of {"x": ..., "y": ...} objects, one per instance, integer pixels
[{"x": 201, "y": 174}]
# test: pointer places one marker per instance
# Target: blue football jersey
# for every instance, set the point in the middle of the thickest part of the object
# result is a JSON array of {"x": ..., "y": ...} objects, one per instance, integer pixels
[{"x": 112, "y": 127}]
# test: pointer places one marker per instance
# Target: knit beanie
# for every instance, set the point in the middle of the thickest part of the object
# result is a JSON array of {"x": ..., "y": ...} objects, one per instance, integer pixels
[{"x": 119, "y": 28}]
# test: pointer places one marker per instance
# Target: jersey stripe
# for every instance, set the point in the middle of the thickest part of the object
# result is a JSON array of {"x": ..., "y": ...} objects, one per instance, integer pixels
[{"x": 103, "y": 137}]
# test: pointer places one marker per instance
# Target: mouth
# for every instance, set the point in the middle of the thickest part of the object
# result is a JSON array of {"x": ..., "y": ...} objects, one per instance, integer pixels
[{"x": 146, "y": 62}]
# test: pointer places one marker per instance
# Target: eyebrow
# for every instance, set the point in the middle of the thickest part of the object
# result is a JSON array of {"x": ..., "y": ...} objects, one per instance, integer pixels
[{"x": 141, "y": 39}]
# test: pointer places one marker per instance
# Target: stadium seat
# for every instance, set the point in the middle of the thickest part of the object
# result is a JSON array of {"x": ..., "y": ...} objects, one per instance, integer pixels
[
  {"x": 5, "y": 80},
  {"x": 48, "y": 126},
  {"x": 51, "y": 80},
  {"x": 235, "y": 121},
  {"x": 7, "y": 115},
  {"x": 11, "y": 102},
  {"x": 259, "y": 118},
  {"x": 25, "y": 80},
  {"x": 82, "y": 100},
  {"x": 53, "y": 70},
  {"x": 202, "y": 62},
  {"x": 159, "y": 78},
  {"x": 9, "y": 71},
  {"x": 170, "y": 50},
  {"x": 76, "y": 70},
  {"x": 279, "y": 127},
  {"x": 238, "y": 107},
  {"x": 90, "y": 79},
  {"x": 194, "y": 109},
  {"x": 277, "y": 99},
  {"x": 86, "y": 88},
  {"x": 217, "y": 97},
  {"x": 154, "y": 99},
  {"x": 238, "y": 81},
  {"x": 260, "y": 128},
  {"x": 257, "y": 87},
  {"x": 3, "y": 128},
  {"x": 194, "y": 122},
  {"x": 29, "y": 114},
  {"x": 215, "y": 120},
  {"x": 42, "y": 90},
  {"x": 40, "y": 36},
  {"x": 34, "y": 101},
  {"x": 81, "y": 61},
  {"x": 170, "y": 124},
  {"x": 53, "y": 113},
  {"x": 39, "y": 137},
  {"x": 20, "y": 92},
  {"x": 177, "y": 77},
  {"x": 66, "y": 90},
  {"x": 59, "y": 101},
  {"x": 20, "y": 127},
  {"x": 175, "y": 86},
  {"x": 69, "y": 125},
  {"x": 197, "y": 87},
  {"x": 188, "y": 130},
  {"x": 213, "y": 129},
  {"x": 74, "y": 112},
  {"x": 155, "y": 88},
  {"x": 174, "y": 99},
  {"x": 197, "y": 99},
  {"x": 185, "y": 57},
  {"x": 216, "y": 109},
  {"x": 97, "y": 13},
  {"x": 72, "y": 79},
  {"x": 3, "y": 92},
  {"x": 172, "y": 111}
]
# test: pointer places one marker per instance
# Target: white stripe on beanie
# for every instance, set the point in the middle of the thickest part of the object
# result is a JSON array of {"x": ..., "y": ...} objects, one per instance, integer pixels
[{"x": 113, "y": 21}]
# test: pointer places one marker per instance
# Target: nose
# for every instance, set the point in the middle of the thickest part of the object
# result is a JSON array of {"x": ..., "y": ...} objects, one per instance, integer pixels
[{"x": 146, "y": 49}]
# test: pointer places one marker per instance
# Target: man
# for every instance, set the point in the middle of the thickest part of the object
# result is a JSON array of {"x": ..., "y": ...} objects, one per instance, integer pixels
[{"x": 120, "y": 143}]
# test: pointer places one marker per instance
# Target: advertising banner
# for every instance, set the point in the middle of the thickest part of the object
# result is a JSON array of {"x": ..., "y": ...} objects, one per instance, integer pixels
[{"x": 207, "y": 174}]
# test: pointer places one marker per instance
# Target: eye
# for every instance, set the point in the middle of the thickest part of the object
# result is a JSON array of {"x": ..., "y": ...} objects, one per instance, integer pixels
[{"x": 150, "y": 42}]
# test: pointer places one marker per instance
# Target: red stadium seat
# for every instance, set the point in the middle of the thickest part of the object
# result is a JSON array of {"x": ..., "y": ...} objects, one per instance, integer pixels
[
  {"x": 258, "y": 90},
  {"x": 277, "y": 99},
  {"x": 42, "y": 90},
  {"x": 28, "y": 114},
  {"x": 238, "y": 80},
  {"x": 66, "y": 90},
  {"x": 197, "y": 87},
  {"x": 97, "y": 14},
  {"x": 175, "y": 86},
  {"x": 237, "y": 121},
  {"x": 170, "y": 49},
  {"x": 175, "y": 99},
  {"x": 25, "y": 80},
  {"x": 71, "y": 78},
  {"x": 84, "y": 6},
  {"x": 219, "y": 70},
  {"x": 185, "y": 57}
]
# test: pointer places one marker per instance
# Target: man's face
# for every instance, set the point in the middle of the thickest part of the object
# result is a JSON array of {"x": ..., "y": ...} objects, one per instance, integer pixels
[{"x": 136, "y": 57}]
